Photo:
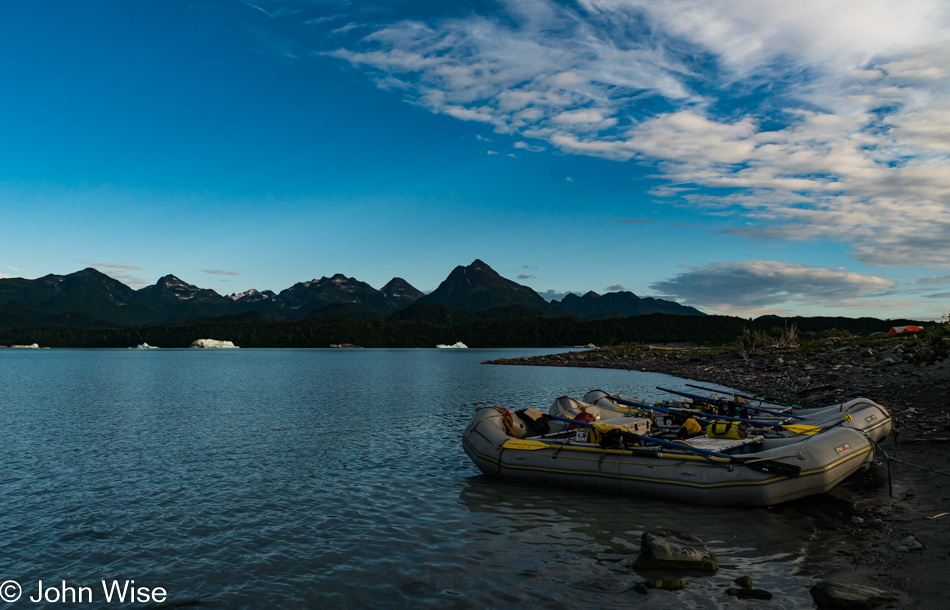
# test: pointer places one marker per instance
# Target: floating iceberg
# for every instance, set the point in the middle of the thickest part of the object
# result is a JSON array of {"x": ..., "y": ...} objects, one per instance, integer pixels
[
  {"x": 213, "y": 344},
  {"x": 458, "y": 345}
]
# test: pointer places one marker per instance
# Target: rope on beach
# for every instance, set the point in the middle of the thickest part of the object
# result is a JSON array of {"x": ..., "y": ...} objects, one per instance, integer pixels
[{"x": 890, "y": 467}]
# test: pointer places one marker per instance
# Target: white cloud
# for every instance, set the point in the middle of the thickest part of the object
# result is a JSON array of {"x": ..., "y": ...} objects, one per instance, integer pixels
[
  {"x": 120, "y": 272},
  {"x": 556, "y": 295},
  {"x": 219, "y": 272},
  {"x": 804, "y": 120},
  {"x": 574, "y": 117},
  {"x": 731, "y": 286},
  {"x": 529, "y": 147},
  {"x": 111, "y": 265}
]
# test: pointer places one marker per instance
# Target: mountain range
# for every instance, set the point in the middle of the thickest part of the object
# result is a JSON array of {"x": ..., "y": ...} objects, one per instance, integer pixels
[{"x": 89, "y": 298}]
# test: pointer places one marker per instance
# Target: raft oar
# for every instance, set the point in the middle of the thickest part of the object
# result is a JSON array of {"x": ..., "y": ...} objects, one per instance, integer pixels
[
  {"x": 721, "y": 401},
  {"x": 796, "y": 428},
  {"x": 770, "y": 466},
  {"x": 641, "y": 405},
  {"x": 746, "y": 396}
]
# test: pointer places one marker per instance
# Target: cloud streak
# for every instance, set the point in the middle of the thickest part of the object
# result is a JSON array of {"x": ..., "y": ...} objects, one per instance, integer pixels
[
  {"x": 804, "y": 121},
  {"x": 111, "y": 266},
  {"x": 726, "y": 286},
  {"x": 120, "y": 272}
]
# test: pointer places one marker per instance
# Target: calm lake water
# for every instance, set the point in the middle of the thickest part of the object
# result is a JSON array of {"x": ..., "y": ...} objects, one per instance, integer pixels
[{"x": 335, "y": 478}]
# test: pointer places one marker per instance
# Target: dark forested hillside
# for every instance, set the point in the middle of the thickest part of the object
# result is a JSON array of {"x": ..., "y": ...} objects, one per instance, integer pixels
[{"x": 252, "y": 330}]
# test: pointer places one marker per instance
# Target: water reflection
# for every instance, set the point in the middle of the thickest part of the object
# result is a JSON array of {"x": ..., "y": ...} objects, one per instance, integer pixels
[
  {"x": 313, "y": 478},
  {"x": 595, "y": 538}
]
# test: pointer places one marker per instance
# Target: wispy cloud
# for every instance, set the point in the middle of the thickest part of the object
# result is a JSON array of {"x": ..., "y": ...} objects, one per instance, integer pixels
[
  {"x": 529, "y": 147},
  {"x": 7, "y": 276},
  {"x": 635, "y": 221},
  {"x": 120, "y": 271},
  {"x": 806, "y": 121},
  {"x": 614, "y": 288},
  {"x": 738, "y": 286},
  {"x": 111, "y": 266},
  {"x": 555, "y": 295},
  {"x": 219, "y": 272}
]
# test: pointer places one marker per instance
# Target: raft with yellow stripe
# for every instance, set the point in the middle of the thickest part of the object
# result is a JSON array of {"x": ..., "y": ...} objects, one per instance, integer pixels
[{"x": 495, "y": 441}]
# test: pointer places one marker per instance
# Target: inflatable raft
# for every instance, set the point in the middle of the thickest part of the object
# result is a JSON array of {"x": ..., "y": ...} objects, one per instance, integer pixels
[{"x": 751, "y": 471}]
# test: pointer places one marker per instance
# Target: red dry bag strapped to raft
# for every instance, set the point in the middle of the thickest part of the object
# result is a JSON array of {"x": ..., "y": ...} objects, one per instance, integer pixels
[{"x": 583, "y": 416}]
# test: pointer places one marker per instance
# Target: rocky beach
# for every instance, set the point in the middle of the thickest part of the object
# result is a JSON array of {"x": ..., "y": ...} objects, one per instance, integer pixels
[{"x": 895, "y": 535}]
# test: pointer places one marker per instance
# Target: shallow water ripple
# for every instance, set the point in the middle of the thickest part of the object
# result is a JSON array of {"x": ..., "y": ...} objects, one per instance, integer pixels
[{"x": 303, "y": 478}]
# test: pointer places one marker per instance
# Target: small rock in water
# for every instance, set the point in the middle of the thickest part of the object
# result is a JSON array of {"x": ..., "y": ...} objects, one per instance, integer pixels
[
  {"x": 674, "y": 551},
  {"x": 670, "y": 584},
  {"x": 744, "y": 581},
  {"x": 910, "y": 544},
  {"x": 831, "y": 594}
]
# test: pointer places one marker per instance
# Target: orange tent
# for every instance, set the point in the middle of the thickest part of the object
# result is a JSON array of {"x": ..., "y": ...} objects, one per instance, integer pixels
[{"x": 898, "y": 330}]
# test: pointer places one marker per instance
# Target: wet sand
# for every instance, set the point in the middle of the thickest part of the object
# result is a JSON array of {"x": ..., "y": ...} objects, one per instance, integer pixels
[{"x": 898, "y": 536}]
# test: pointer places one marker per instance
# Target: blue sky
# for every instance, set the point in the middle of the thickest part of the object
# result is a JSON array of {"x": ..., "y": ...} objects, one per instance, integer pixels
[{"x": 742, "y": 157}]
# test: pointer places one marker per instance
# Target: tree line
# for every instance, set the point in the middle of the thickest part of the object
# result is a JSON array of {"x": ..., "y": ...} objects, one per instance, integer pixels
[{"x": 316, "y": 332}]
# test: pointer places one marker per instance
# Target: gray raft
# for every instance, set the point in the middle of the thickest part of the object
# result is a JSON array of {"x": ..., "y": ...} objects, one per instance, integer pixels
[{"x": 825, "y": 460}]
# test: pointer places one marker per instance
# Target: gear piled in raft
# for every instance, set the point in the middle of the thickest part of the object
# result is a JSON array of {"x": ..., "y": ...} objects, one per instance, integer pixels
[{"x": 687, "y": 451}]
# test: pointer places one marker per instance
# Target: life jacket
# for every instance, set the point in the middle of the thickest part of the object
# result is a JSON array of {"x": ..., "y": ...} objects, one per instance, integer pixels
[
  {"x": 601, "y": 432},
  {"x": 506, "y": 414}
]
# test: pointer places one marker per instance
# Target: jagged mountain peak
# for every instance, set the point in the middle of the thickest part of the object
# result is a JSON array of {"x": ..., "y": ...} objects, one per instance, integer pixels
[
  {"x": 478, "y": 287},
  {"x": 252, "y": 295},
  {"x": 621, "y": 303},
  {"x": 172, "y": 287},
  {"x": 305, "y": 298},
  {"x": 400, "y": 294},
  {"x": 171, "y": 280}
]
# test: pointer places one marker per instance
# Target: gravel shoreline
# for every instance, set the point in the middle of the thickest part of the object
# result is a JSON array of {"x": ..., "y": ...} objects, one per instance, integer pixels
[{"x": 899, "y": 540}]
